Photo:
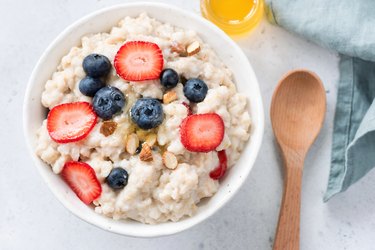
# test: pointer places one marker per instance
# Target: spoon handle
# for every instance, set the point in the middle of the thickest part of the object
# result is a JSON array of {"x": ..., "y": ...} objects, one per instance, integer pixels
[{"x": 287, "y": 233}]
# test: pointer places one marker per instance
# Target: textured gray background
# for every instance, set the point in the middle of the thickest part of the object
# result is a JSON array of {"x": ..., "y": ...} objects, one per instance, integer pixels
[{"x": 31, "y": 218}]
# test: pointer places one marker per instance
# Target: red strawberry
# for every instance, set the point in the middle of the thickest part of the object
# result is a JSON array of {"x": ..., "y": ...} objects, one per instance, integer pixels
[
  {"x": 138, "y": 61},
  {"x": 82, "y": 180},
  {"x": 220, "y": 170},
  {"x": 202, "y": 133},
  {"x": 188, "y": 108},
  {"x": 70, "y": 122}
]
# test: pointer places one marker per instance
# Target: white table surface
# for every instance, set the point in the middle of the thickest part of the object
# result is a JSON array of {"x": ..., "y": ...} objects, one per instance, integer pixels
[{"x": 32, "y": 218}]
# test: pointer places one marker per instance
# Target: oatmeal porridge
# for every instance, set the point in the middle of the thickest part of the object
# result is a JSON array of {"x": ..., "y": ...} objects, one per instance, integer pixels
[{"x": 143, "y": 121}]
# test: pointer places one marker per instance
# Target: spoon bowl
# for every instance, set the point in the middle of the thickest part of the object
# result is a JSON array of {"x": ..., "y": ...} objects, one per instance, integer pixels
[
  {"x": 297, "y": 113},
  {"x": 297, "y": 109}
]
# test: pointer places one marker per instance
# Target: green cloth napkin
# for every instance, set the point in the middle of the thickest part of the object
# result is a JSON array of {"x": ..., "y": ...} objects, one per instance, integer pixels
[{"x": 348, "y": 27}]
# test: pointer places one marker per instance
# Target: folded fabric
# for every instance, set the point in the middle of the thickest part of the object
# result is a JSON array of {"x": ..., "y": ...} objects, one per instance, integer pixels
[{"x": 347, "y": 27}]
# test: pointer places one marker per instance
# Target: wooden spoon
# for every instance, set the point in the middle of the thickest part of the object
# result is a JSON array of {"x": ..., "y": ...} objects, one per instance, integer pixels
[{"x": 297, "y": 113}]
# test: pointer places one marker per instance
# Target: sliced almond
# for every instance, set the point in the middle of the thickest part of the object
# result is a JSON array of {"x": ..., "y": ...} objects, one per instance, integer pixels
[
  {"x": 170, "y": 161},
  {"x": 193, "y": 48},
  {"x": 151, "y": 139},
  {"x": 132, "y": 143},
  {"x": 169, "y": 97},
  {"x": 146, "y": 153},
  {"x": 108, "y": 128},
  {"x": 179, "y": 49}
]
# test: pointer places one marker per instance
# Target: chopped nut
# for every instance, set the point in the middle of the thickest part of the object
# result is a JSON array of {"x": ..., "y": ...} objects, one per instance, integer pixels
[
  {"x": 146, "y": 154},
  {"x": 179, "y": 49},
  {"x": 151, "y": 139},
  {"x": 132, "y": 144},
  {"x": 193, "y": 48},
  {"x": 169, "y": 97},
  {"x": 170, "y": 160},
  {"x": 108, "y": 128}
]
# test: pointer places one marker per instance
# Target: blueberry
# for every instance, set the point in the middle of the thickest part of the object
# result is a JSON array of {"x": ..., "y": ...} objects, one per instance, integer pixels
[
  {"x": 89, "y": 86},
  {"x": 117, "y": 178},
  {"x": 108, "y": 101},
  {"x": 195, "y": 90},
  {"x": 96, "y": 65},
  {"x": 169, "y": 78},
  {"x": 147, "y": 113}
]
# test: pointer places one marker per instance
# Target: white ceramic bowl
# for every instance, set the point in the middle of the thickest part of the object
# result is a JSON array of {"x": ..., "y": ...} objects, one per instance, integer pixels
[{"x": 103, "y": 20}]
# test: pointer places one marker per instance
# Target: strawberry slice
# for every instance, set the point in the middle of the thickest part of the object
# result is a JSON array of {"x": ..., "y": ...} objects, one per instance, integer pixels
[
  {"x": 202, "y": 132},
  {"x": 220, "y": 170},
  {"x": 138, "y": 61},
  {"x": 82, "y": 180},
  {"x": 70, "y": 122}
]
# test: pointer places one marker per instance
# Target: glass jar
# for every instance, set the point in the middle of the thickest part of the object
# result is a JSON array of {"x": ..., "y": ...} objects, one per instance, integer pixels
[{"x": 235, "y": 17}]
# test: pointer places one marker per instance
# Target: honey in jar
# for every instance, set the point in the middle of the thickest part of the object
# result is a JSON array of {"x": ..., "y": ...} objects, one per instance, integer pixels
[{"x": 235, "y": 17}]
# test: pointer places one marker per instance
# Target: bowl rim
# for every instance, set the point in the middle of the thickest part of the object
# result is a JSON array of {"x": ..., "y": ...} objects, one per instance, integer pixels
[{"x": 128, "y": 232}]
